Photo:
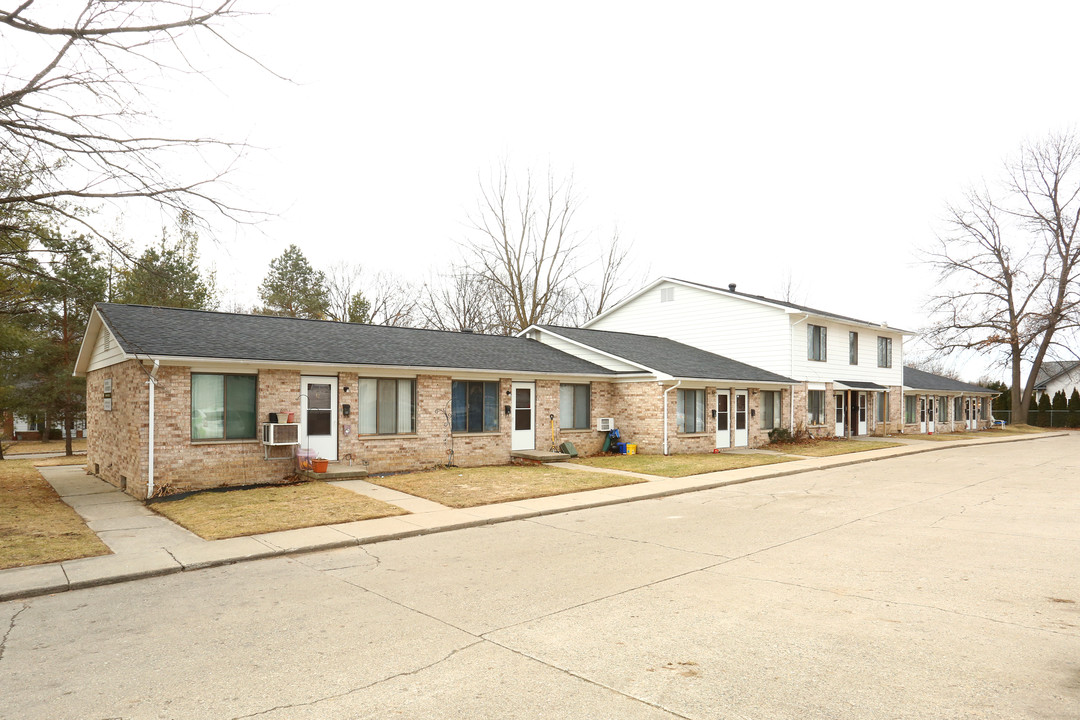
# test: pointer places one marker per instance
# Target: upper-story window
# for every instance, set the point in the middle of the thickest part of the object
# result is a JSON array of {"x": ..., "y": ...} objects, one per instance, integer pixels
[
  {"x": 816, "y": 340},
  {"x": 884, "y": 352},
  {"x": 853, "y": 348}
]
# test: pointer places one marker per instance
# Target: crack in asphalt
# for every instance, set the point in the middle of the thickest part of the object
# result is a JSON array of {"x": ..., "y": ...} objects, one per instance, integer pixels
[
  {"x": 11, "y": 626},
  {"x": 625, "y": 539},
  {"x": 335, "y": 696},
  {"x": 904, "y": 603}
]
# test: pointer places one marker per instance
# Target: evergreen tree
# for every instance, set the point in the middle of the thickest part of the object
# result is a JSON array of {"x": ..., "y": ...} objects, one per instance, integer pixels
[
  {"x": 1060, "y": 405},
  {"x": 168, "y": 275},
  {"x": 1042, "y": 416},
  {"x": 359, "y": 309},
  {"x": 293, "y": 288},
  {"x": 75, "y": 280},
  {"x": 1073, "y": 418}
]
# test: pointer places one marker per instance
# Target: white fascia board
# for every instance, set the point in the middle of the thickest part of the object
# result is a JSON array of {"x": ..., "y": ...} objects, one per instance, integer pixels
[
  {"x": 734, "y": 383},
  {"x": 86, "y": 349},
  {"x": 598, "y": 351},
  {"x": 845, "y": 321},
  {"x": 315, "y": 368}
]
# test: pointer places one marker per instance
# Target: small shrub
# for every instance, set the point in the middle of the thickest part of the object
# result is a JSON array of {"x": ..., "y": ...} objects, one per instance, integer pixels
[
  {"x": 56, "y": 434},
  {"x": 780, "y": 435}
]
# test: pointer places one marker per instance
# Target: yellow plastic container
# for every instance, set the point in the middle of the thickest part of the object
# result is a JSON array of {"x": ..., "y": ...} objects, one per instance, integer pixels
[{"x": 631, "y": 449}]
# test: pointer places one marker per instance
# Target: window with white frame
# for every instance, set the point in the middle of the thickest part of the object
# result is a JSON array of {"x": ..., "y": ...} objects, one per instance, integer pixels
[
  {"x": 770, "y": 409},
  {"x": 222, "y": 406},
  {"x": 815, "y": 407},
  {"x": 574, "y": 407},
  {"x": 690, "y": 411},
  {"x": 957, "y": 409},
  {"x": 942, "y": 405},
  {"x": 910, "y": 408},
  {"x": 385, "y": 406},
  {"x": 882, "y": 402},
  {"x": 816, "y": 342},
  {"x": 474, "y": 406},
  {"x": 884, "y": 352},
  {"x": 853, "y": 348}
]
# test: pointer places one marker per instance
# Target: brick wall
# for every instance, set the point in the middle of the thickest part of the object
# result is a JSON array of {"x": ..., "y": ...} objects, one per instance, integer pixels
[{"x": 115, "y": 448}]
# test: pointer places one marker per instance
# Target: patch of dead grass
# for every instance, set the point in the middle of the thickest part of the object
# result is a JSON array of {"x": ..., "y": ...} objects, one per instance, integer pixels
[
  {"x": 36, "y": 526},
  {"x": 682, "y": 465},
  {"x": 469, "y": 487},
  {"x": 827, "y": 447},
  {"x": 24, "y": 447},
  {"x": 219, "y": 514}
]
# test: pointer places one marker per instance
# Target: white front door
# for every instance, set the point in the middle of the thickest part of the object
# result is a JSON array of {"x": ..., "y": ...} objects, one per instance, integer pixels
[
  {"x": 931, "y": 412},
  {"x": 862, "y": 413},
  {"x": 318, "y": 415},
  {"x": 741, "y": 437},
  {"x": 841, "y": 417},
  {"x": 523, "y": 435},
  {"x": 969, "y": 414},
  {"x": 922, "y": 414},
  {"x": 723, "y": 419}
]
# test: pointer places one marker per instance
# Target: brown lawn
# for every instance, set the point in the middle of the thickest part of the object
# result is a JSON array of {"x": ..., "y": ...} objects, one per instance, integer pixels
[
  {"x": 36, "y": 526},
  {"x": 468, "y": 487},
  {"x": 827, "y": 447},
  {"x": 219, "y": 514},
  {"x": 25, "y": 447},
  {"x": 681, "y": 465}
]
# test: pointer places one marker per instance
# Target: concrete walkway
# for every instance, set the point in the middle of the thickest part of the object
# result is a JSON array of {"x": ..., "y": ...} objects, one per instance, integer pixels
[{"x": 145, "y": 544}]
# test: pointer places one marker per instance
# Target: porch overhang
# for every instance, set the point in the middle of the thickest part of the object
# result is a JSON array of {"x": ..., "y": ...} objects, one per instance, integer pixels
[{"x": 857, "y": 385}]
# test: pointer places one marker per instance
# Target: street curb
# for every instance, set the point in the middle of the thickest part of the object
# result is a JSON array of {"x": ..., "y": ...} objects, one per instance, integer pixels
[{"x": 120, "y": 577}]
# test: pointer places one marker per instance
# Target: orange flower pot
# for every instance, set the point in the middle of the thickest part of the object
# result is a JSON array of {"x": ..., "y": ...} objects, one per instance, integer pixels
[{"x": 319, "y": 465}]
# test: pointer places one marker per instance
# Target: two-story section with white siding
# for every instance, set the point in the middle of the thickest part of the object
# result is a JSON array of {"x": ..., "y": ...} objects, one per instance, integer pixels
[{"x": 849, "y": 371}]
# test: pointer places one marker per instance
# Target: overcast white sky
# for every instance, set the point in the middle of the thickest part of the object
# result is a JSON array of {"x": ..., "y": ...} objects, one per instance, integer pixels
[{"x": 731, "y": 142}]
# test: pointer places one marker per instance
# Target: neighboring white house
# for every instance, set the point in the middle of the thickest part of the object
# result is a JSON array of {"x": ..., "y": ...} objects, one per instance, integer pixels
[
  {"x": 31, "y": 427},
  {"x": 1057, "y": 375},
  {"x": 850, "y": 371}
]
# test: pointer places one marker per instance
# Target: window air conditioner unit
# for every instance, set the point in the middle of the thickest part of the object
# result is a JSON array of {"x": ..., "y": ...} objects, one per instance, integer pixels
[
  {"x": 281, "y": 434},
  {"x": 605, "y": 424}
]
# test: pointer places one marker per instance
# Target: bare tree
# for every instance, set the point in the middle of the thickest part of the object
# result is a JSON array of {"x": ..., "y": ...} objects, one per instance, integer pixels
[
  {"x": 459, "y": 299},
  {"x": 342, "y": 287},
  {"x": 1008, "y": 265},
  {"x": 69, "y": 108},
  {"x": 527, "y": 250},
  {"x": 393, "y": 301}
]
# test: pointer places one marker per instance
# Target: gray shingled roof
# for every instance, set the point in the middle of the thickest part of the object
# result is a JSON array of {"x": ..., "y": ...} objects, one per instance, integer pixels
[
  {"x": 783, "y": 303},
  {"x": 667, "y": 356},
  {"x": 1050, "y": 369},
  {"x": 175, "y": 332},
  {"x": 922, "y": 380}
]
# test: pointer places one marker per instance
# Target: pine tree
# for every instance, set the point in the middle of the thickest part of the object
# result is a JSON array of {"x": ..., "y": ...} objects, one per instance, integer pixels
[
  {"x": 1060, "y": 405},
  {"x": 168, "y": 275},
  {"x": 1073, "y": 418},
  {"x": 1042, "y": 416},
  {"x": 293, "y": 288}
]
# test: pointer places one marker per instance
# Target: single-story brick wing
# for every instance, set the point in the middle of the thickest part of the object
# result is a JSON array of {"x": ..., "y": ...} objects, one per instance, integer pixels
[{"x": 177, "y": 399}]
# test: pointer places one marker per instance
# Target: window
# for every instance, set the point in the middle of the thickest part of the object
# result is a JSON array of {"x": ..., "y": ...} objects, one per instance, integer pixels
[
  {"x": 816, "y": 337},
  {"x": 909, "y": 408},
  {"x": 222, "y": 407},
  {"x": 385, "y": 406},
  {"x": 574, "y": 407},
  {"x": 690, "y": 412},
  {"x": 853, "y": 348},
  {"x": 884, "y": 352},
  {"x": 942, "y": 409},
  {"x": 882, "y": 407},
  {"x": 474, "y": 406},
  {"x": 815, "y": 407},
  {"x": 770, "y": 409},
  {"x": 985, "y": 408}
]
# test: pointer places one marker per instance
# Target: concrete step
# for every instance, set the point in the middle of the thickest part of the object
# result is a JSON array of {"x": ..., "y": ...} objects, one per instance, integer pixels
[
  {"x": 337, "y": 471},
  {"x": 539, "y": 456}
]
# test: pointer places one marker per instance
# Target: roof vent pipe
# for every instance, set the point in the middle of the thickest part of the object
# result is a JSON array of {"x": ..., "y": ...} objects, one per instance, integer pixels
[{"x": 731, "y": 287}]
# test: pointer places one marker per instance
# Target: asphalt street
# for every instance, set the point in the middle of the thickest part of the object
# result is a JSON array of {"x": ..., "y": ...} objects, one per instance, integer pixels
[{"x": 940, "y": 585}]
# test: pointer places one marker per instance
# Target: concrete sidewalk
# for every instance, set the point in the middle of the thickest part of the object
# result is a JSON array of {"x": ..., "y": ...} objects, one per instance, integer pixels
[{"x": 145, "y": 544}]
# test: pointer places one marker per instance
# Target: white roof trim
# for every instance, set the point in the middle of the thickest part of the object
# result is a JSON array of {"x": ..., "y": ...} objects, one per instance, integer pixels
[
  {"x": 86, "y": 349},
  {"x": 747, "y": 298},
  {"x": 586, "y": 346}
]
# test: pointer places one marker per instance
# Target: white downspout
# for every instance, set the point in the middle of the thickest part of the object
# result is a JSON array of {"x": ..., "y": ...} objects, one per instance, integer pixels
[
  {"x": 152, "y": 382},
  {"x": 666, "y": 414},
  {"x": 791, "y": 398}
]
